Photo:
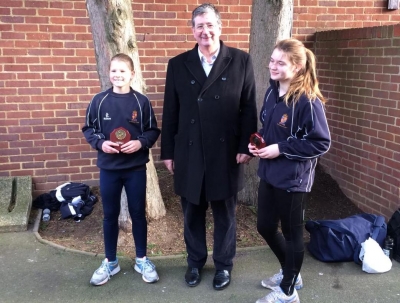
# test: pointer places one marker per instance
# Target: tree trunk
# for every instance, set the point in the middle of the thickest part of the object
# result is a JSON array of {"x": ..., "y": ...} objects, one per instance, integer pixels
[
  {"x": 114, "y": 32},
  {"x": 271, "y": 21},
  {"x": 155, "y": 206}
]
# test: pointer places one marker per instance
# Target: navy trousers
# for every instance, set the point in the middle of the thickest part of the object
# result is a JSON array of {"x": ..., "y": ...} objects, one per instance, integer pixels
[
  {"x": 224, "y": 214},
  {"x": 276, "y": 205},
  {"x": 111, "y": 183}
]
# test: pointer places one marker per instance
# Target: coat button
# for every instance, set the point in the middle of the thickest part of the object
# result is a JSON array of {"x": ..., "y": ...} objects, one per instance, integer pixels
[
  {"x": 223, "y": 78},
  {"x": 190, "y": 142},
  {"x": 192, "y": 121},
  {"x": 222, "y": 139},
  {"x": 216, "y": 97},
  {"x": 192, "y": 82},
  {"x": 199, "y": 99}
]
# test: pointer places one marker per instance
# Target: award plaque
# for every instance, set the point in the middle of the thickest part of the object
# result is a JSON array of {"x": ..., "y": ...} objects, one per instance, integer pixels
[
  {"x": 120, "y": 135},
  {"x": 257, "y": 140}
]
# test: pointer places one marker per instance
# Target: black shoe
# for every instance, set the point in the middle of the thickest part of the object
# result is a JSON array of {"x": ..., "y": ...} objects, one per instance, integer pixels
[
  {"x": 192, "y": 276},
  {"x": 222, "y": 279}
]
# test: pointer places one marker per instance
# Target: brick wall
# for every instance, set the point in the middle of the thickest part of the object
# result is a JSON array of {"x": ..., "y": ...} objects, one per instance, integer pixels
[
  {"x": 359, "y": 71},
  {"x": 48, "y": 72},
  {"x": 47, "y": 77},
  {"x": 311, "y": 16}
]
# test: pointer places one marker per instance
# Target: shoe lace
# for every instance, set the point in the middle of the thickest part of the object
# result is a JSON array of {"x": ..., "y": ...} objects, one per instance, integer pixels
[
  {"x": 278, "y": 276},
  {"x": 105, "y": 268},
  {"x": 275, "y": 295},
  {"x": 148, "y": 265}
]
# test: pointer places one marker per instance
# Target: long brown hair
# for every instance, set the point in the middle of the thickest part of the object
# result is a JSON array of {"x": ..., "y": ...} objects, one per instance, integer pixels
[{"x": 305, "y": 81}]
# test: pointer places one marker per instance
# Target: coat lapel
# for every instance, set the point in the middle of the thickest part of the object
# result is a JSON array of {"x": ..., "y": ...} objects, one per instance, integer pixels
[
  {"x": 196, "y": 69},
  {"x": 219, "y": 66},
  {"x": 194, "y": 66}
]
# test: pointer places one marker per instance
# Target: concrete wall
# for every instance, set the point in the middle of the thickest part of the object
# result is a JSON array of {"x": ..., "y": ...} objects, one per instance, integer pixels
[
  {"x": 359, "y": 72},
  {"x": 48, "y": 72}
]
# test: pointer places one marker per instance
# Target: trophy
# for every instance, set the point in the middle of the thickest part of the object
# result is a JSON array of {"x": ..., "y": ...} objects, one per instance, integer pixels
[
  {"x": 120, "y": 135},
  {"x": 257, "y": 140}
]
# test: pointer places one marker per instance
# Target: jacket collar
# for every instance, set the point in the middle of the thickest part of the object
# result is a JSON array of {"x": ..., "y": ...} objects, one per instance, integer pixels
[{"x": 274, "y": 85}]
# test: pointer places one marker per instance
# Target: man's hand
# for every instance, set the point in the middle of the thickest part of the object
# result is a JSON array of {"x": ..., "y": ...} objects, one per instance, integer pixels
[
  {"x": 169, "y": 164},
  {"x": 243, "y": 158}
]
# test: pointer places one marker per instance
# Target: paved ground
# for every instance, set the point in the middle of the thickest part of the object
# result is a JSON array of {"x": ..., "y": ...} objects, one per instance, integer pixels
[{"x": 32, "y": 271}]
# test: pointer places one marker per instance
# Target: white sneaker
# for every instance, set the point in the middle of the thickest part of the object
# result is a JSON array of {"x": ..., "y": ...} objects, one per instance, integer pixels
[
  {"x": 278, "y": 296},
  {"x": 276, "y": 280},
  {"x": 147, "y": 269},
  {"x": 104, "y": 272}
]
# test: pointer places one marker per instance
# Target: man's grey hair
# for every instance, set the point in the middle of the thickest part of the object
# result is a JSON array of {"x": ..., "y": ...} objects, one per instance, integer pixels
[{"x": 206, "y": 8}]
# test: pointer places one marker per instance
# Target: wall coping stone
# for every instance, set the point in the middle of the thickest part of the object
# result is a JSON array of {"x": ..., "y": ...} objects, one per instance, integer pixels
[{"x": 15, "y": 203}]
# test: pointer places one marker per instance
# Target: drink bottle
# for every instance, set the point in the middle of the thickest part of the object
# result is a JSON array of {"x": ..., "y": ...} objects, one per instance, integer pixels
[
  {"x": 388, "y": 247},
  {"x": 46, "y": 214}
]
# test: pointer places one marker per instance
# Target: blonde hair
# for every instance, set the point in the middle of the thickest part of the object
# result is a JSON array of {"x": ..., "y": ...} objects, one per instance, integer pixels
[
  {"x": 305, "y": 81},
  {"x": 124, "y": 58}
]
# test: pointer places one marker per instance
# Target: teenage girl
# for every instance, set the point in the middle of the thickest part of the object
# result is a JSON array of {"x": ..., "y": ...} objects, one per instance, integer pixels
[
  {"x": 122, "y": 165},
  {"x": 295, "y": 129}
]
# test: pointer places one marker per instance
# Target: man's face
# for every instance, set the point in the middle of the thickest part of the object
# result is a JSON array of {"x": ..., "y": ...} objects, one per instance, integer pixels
[{"x": 207, "y": 31}]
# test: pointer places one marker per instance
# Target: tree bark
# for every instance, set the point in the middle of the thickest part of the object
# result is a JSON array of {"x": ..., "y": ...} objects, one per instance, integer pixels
[
  {"x": 271, "y": 21},
  {"x": 113, "y": 32}
]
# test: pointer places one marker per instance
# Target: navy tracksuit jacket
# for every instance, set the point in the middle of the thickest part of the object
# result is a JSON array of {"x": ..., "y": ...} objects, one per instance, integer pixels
[{"x": 302, "y": 134}]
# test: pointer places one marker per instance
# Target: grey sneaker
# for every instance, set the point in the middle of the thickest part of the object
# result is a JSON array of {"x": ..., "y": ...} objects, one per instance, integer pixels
[
  {"x": 147, "y": 269},
  {"x": 276, "y": 279},
  {"x": 104, "y": 272},
  {"x": 278, "y": 296}
]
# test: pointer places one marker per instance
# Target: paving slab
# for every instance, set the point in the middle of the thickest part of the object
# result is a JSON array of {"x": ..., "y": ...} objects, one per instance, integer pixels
[{"x": 36, "y": 272}]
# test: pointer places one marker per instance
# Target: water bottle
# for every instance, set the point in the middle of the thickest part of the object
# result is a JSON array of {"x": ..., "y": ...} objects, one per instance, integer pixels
[
  {"x": 46, "y": 214},
  {"x": 388, "y": 247}
]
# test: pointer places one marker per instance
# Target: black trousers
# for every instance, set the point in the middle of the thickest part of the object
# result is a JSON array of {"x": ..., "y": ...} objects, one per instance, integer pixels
[
  {"x": 276, "y": 205},
  {"x": 111, "y": 183},
  {"x": 224, "y": 250}
]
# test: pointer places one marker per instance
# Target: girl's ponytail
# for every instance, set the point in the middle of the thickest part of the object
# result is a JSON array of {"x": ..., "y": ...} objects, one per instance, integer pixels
[{"x": 305, "y": 81}]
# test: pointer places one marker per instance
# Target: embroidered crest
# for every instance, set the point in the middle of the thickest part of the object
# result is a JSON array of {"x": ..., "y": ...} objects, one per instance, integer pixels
[
  {"x": 134, "y": 117},
  {"x": 107, "y": 117},
  {"x": 283, "y": 120}
]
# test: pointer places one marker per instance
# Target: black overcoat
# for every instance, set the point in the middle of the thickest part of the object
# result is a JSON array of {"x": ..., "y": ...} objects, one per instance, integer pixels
[{"x": 207, "y": 121}]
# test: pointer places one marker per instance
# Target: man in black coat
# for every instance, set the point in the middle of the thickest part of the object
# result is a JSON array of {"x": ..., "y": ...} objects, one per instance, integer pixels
[{"x": 209, "y": 114}]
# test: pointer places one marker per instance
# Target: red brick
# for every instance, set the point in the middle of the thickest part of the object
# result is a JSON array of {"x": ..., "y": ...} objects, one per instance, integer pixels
[
  {"x": 75, "y": 29},
  {"x": 74, "y": 13},
  {"x": 80, "y": 5},
  {"x": 57, "y": 178},
  {"x": 49, "y": 12},
  {"x": 12, "y": 19},
  {"x": 50, "y": 28},
  {"x": 61, "y": 20},
  {"x": 52, "y": 164},
  {"x": 12, "y": 36},
  {"x": 37, "y": 20}
]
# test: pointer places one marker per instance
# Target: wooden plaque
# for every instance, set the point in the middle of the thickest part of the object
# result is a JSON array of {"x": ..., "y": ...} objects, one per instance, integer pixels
[{"x": 120, "y": 135}]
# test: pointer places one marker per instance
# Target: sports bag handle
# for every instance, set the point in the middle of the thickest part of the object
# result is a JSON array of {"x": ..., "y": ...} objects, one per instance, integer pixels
[
  {"x": 334, "y": 226},
  {"x": 379, "y": 221}
]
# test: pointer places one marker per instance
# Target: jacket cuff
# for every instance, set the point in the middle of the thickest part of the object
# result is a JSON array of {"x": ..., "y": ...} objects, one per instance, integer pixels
[
  {"x": 143, "y": 141},
  {"x": 99, "y": 144},
  {"x": 282, "y": 145}
]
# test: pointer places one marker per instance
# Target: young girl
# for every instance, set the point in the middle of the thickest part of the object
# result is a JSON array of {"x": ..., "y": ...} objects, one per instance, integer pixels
[
  {"x": 296, "y": 133},
  {"x": 122, "y": 165}
]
